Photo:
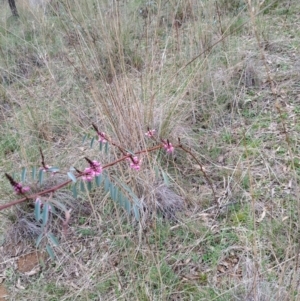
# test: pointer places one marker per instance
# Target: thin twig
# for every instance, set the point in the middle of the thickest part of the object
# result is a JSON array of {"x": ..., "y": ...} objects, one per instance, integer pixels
[
  {"x": 157, "y": 147},
  {"x": 55, "y": 188},
  {"x": 201, "y": 168}
]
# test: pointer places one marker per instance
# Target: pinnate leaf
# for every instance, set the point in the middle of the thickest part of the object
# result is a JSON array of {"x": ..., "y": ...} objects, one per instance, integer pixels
[
  {"x": 92, "y": 142},
  {"x": 106, "y": 148},
  {"x": 23, "y": 175},
  {"x": 74, "y": 191},
  {"x": 33, "y": 173},
  {"x": 45, "y": 214},
  {"x": 39, "y": 239},
  {"x": 50, "y": 252},
  {"x": 41, "y": 176},
  {"x": 136, "y": 212},
  {"x": 72, "y": 176},
  {"x": 89, "y": 185},
  {"x": 98, "y": 180},
  {"x": 82, "y": 186},
  {"x": 37, "y": 210},
  {"x": 53, "y": 239},
  {"x": 53, "y": 169}
]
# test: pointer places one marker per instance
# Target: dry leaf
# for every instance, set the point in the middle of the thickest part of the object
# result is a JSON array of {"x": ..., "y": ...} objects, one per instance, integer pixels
[
  {"x": 19, "y": 286},
  {"x": 28, "y": 262},
  {"x": 262, "y": 215},
  {"x": 33, "y": 271}
]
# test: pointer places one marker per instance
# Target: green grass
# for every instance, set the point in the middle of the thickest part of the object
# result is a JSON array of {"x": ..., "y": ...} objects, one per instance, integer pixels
[{"x": 128, "y": 66}]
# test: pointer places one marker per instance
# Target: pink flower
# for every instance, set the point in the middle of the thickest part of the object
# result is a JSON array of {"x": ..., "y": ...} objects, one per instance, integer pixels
[
  {"x": 168, "y": 147},
  {"x": 52, "y": 170},
  {"x": 45, "y": 168},
  {"x": 96, "y": 167},
  {"x": 94, "y": 170},
  {"x": 135, "y": 163},
  {"x": 150, "y": 133},
  {"x": 102, "y": 137},
  {"x": 38, "y": 201},
  {"x": 19, "y": 189},
  {"x": 88, "y": 174}
]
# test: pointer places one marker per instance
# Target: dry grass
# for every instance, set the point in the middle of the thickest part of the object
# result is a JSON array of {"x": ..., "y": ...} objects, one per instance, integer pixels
[{"x": 129, "y": 66}]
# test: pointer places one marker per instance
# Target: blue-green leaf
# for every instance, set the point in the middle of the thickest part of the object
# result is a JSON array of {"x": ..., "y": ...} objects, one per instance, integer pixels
[
  {"x": 41, "y": 176},
  {"x": 82, "y": 186},
  {"x": 127, "y": 205},
  {"x": 39, "y": 239},
  {"x": 136, "y": 212},
  {"x": 23, "y": 176},
  {"x": 50, "y": 252},
  {"x": 98, "y": 180},
  {"x": 92, "y": 142},
  {"x": 53, "y": 210},
  {"x": 106, "y": 148},
  {"x": 84, "y": 138},
  {"x": 37, "y": 210},
  {"x": 100, "y": 146},
  {"x": 106, "y": 184},
  {"x": 45, "y": 214},
  {"x": 71, "y": 176},
  {"x": 89, "y": 185},
  {"x": 121, "y": 199},
  {"x": 74, "y": 191},
  {"x": 53, "y": 169},
  {"x": 116, "y": 195},
  {"x": 33, "y": 174},
  {"x": 130, "y": 152},
  {"x": 53, "y": 239}
]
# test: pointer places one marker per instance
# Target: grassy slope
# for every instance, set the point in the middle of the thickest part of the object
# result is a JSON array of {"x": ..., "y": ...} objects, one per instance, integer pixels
[{"x": 124, "y": 68}]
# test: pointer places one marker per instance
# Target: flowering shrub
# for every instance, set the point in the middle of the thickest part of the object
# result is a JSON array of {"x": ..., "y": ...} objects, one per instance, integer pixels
[{"x": 93, "y": 174}]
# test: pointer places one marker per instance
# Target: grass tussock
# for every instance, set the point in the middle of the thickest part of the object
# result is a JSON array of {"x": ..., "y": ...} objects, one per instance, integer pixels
[{"x": 220, "y": 75}]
